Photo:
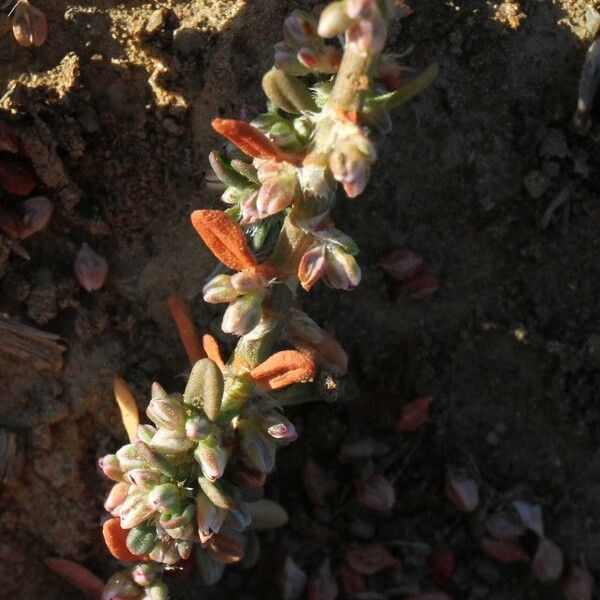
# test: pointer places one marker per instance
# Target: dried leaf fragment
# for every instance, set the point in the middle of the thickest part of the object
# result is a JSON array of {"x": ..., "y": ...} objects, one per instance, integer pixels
[
  {"x": 129, "y": 410},
  {"x": 17, "y": 178},
  {"x": 548, "y": 563},
  {"x": 77, "y": 575},
  {"x": 370, "y": 559},
  {"x": 211, "y": 348},
  {"x": 414, "y": 414},
  {"x": 185, "y": 326},
  {"x": 90, "y": 269},
  {"x": 36, "y": 214},
  {"x": 224, "y": 238},
  {"x": 462, "y": 491},
  {"x": 284, "y": 368}
]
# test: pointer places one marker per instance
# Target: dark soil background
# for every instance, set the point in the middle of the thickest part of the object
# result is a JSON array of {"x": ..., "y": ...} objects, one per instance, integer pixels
[{"x": 509, "y": 347}]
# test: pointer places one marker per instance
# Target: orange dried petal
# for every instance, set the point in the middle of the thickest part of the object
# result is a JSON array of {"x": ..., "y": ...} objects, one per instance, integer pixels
[
  {"x": 115, "y": 539},
  {"x": 224, "y": 238},
  {"x": 251, "y": 141},
  {"x": 414, "y": 414},
  {"x": 185, "y": 326},
  {"x": 211, "y": 347},
  {"x": 283, "y": 369}
]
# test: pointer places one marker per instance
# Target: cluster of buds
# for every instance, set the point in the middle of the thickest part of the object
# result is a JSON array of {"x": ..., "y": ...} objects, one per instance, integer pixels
[
  {"x": 187, "y": 484},
  {"x": 29, "y": 24},
  {"x": 140, "y": 582}
]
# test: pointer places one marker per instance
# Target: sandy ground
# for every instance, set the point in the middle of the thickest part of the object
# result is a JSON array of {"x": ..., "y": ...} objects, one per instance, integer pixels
[{"x": 121, "y": 97}]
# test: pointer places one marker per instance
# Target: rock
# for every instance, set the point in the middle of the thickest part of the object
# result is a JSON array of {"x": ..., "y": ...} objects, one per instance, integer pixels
[
  {"x": 155, "y": 22},
  {"x": 536, "y": 183},
  {"x": 188, "y": 40},
  {"x": 555, "y": 145}
]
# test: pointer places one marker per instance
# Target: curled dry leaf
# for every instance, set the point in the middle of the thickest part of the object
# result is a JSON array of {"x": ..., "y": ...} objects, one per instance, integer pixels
[
  {"x": 461, "y": 490},
  {"x": 36, "y": 214},
  {"x": 376, "y": 493},
  {"x": 77, "y": 575},
  {"x": 442, "y": 563},
  {"x": 503, "y": 551},
  {"x": 402, "y": 264},
  {"x": 422, "y": 285},
  {"x": 319, "y": 484},
  {"x": 250, "y": 140},
  {"x": 90, "y": 269},
  {"x": 282, "y": 369},
  {"x": 129, "y": 410},
  {"x": 370, "y": 559},
  {"x": 187, "y": 331},
  {"x": 414, "y": 415},
  {"x": 115, "y": 538},
  {"x": 17, "y": 178},
  {"x": 29, "y": 24},
  {"x": 224, "y": 238},
  {"x": 578, "y": 584},
  {"x": 547, "y": 563},
  {"x": 322, "y": 585}
]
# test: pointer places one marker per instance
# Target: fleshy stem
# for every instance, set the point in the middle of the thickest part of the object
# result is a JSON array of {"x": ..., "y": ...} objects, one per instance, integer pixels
[{"x": 344, "y": 103}]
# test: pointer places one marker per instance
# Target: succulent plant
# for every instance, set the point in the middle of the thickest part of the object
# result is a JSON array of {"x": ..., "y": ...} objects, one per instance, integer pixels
[{"x": 181, "y": 486}]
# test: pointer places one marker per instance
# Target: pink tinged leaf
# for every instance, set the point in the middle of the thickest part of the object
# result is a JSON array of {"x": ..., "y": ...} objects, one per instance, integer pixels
[
  {"x": 531, "y": 515},
  {"x": 578, "y": 584},
  {"x": 370, "y": 559},
  {"x": 90, "y": 269},
  {"x": 293, "y": 580},
  {"x": 402, "y": 264},
  {"x": 548, "y": 563},
  {"x": 36, "y": 214},
  {"x": 504, "y": 552},
  {"x": 319, "y": 484},
  {"x": 312, "y": 267},
  {"x": 323, "y": 585},
  {"x": 414, "y": 415},
  {"x": 77, "y": 575},
  {"x": 116, "y": 496},
  {"x": 461, "y": 490},
  {"x": 422, "y": 285},
  {"x": 377, "y": 493}
]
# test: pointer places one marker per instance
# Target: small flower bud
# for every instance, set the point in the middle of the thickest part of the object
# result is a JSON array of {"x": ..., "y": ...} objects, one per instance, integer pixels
[
  {"x": 169, "y": 441},
  {"x": 197, "y": 428},
  {"x": 211, "y": 457},
  {"x": 286, "y": 59},
  {"x": 312, "y": 267},
  {"x": 204, "y": 389},
  {"x": 145, "y": 433},
  {"x": 166, "y": 553},
  {"x": 157, "y": 591},
  {"x": 209, "y": 518},
  {"x": 361, "y": 9},
  {"x": 143, "y": 478},
  {"x": 299, "y": 29},
  {"x": 249, "y": 209},
  {"x": 242, "y": 315},
  {"x": 185, "y": 547},
  {"x": 178, "y": 518},
  {"x": 164, "y": 497},
  {"x": 130, "y": 457},
  {"x": 111, "y": 467},
  {"x": 342, "y": 270},
  {"x": 279, "y": 187},
  {"x": 134, "y": 510},
  {"x": 143, "y": 574},
  {"x": 334, "y": 20},
  {"x": 29, "y": 23},
  {"x": 248, "y": 283},
  {"x": 278, "y": 427},
  {"x": 257, "y": 450},
  {"x": 368, "y": 35},
  {"x": 287, "y": 92},
  {"x": 121, "y": 585},
  {"x": 116, "y": 496},
  {"x": 219, "y": 289},
  {"x": 167, "y": 411},
  {"x": 326, "y": 59}
]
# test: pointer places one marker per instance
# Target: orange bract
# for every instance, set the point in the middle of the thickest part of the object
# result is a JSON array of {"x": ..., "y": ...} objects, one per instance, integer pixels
[
  {"x": 224, "y": 238},
  {"x": 251, "y": 141},
  {"x": 115, "y": 539},
  {"x": 212, "y": 350},
  {"x": 283, "y": 369},
  {"x": 185, "y": 327}
]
